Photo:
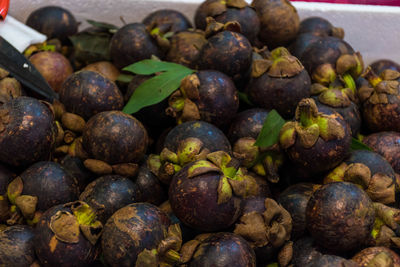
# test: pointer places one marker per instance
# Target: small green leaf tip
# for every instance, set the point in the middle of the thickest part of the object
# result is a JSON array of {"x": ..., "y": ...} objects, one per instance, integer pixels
[{"x": 269, "y": 134}]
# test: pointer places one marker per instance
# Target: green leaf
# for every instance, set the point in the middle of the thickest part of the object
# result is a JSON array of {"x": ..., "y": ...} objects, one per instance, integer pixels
[
  {"x": 125, "y": 78},
  {"x": 245, "y": 98},
  {"x": 90, "y": 48},
  {"x": 156, "y": 89},
  {"x": 102, "y": 25},
  {"x": 358, "y": 145},
  {"x": 151, "y": 66},
  {"x": 269, "y": 134}
]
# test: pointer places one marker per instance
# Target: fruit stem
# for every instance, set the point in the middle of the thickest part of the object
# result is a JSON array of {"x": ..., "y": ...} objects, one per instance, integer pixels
[
  {"x": 349, "y": 82},
  {"x": 370, "y": 75}
]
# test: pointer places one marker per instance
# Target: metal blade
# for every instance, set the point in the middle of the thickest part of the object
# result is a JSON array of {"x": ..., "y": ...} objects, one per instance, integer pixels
[{"x": 20, "y": 67}]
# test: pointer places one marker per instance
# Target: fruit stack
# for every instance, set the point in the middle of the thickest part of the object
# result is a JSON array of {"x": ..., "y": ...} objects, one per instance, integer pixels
[{"x": 245, "y": 138}]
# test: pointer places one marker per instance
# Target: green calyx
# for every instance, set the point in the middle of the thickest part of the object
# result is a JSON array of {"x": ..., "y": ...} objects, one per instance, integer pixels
[
  {"x": 334, "y": 98},
  {"x": 309, "y": 126},
  {"x": 351, "y": 64},
  {"x": 324, "y": 74},
  {"x": 284, "y": 65}
]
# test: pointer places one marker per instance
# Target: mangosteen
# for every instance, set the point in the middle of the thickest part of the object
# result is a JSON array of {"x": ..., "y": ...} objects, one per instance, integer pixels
[
  {"x": 294, "y": 199},
  {"x": 218, "y": 249},
  {"x": 318, "y": 140},
  {"x": 27, "y": 131},
  {"x": 380, "y": 65},
  {"x": 279, "y": 21},
  {"x": 377, "y": 256},
  {"x": 132, "y": 43},
  {"x": 279, "y": 82},
  {"x": 228, "y": 11},
  {"x": 185, "y": 47},
  {"x": 206, "y": 95},
  {"x": 140, "y": 234},
  {"x": 165, "y": 21},
  {"x": 53, "y": 66},
  {"x": 40, "y": 187},
  {"x": 5, "y": 178},
  {"x": 305, "y": 251},
  {"x": 266, "y": 225},
  {"x": 67, "y": 234},
  {"x": 212, "y": 138},
  {"x": 340, "y": 217},
  {"x": 115, "y": 137},
  {"x": 243, "y": 132},
  {"x": 108, "y": 194},
  {"x": 10, "y": 88},
  {"x": 332, "y": 261},
  {"x": 17, "y": 246},
  {"x": 227, "y": 51},
  {"x": 301, "y": 43},
  {"x": 387, "y": 144},
  {"x": 87, "y": 93},
  {"x": 206, "y": 194},
  {"x": 320, "y": 26},
  {"x": 105, "y": 68},
  {"x": 150, "y": 188},
  {"x": 54, "y": 22},
  {"x": 381, "y": 105},
  {"x": 76, "y": 168},
  {"x": 326, "y": 50}
]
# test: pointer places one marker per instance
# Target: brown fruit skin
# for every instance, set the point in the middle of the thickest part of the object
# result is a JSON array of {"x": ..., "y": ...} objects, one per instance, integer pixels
[
  {"x": 87, "y": 93},
  {"x": 194, "y": 201},
  {"x": 387, "y": 144},
  {"x": 323, "y": 155},
  {"x": 332, "y": 261},
  {"x": 52, "y": 252},
  {"x": 324, "y": 50},
  {"x": 185, "y": 48},
  {"x": 132, "y": 229},
  {"x": 223, "y": 249},
  {"x": 228, "y": 52},
  {"x": 115, "y": 137},
  {"x": 30, "y": 134},
  {"x": 17, "y": 246},
  {"x": 282, "y": 94},
  {"x": 105, "y": 68},
  {"x": 167, "y": 20},
  {"x": 218, "y": 98},
  {"x": 294, "y": 199},
  {"x": 108, "y": 194},
  {"x": 53, "y": 66},
  {"x": 50, "y": 183},
  {"x": 247, "y": 123},
  {"x": 54, "y": 22},
  {"x": 132, "y": 43},
  {"x": 340, "y": 216},
  {"x": 279, "y": 22},
  {"x": 213, "y": 138},
  {"x": 366, "y": 255},
  {"x": 150, "y": 187}
]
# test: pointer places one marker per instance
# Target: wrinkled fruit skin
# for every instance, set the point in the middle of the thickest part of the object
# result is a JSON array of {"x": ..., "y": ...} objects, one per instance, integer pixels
[
  {"x": 50, "y": 183},
  {"x": 16, "y": 246},
  {"x": 108, "y": 194},
  {"x": 53, "y": 252},
  {"x": 228, "y": 52},
  {"x": 247, "y": 123},
  {"x": 54, "y": 22},
  {"x": 132, "y": 229},
  {"x": 223, "y": 249},
  {"x": 213, "y": 138},
  {"x": 294, "y": 199},
  {"x": 115, "y": 137},
  {"x": 87, "y": 93},
  {"x": 132, "y": 43},
  {"x": 194, "y": 201},
  {"x": 340, "y": 216},
  {"x": 281, "y": 94},
  {"x": 53, "y": 66},
  {"x": 366, "y": 255},
  {"x": 387, "y": 144},
  {"x": 29, "y": 134}
]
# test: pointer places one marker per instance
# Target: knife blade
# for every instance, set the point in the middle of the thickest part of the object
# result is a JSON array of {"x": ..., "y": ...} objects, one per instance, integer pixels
[{"x": 23, "y": 70}]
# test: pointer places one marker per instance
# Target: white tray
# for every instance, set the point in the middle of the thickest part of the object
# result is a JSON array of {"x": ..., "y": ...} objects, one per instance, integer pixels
[{"x": 372, "y": 30}]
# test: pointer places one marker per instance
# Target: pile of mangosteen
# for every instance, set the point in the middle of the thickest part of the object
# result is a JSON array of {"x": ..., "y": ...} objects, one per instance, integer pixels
[{"x": 246, "y": 138}]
